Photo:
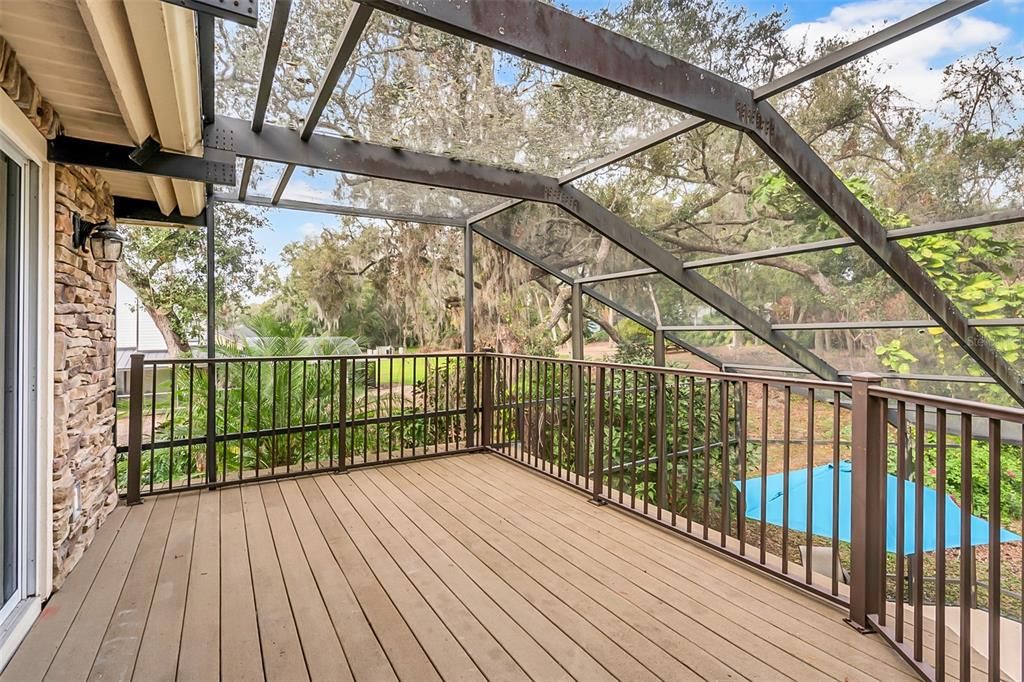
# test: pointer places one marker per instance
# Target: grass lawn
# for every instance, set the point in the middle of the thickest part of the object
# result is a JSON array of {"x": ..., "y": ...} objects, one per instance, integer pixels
[{"x": 405, "y": 371}]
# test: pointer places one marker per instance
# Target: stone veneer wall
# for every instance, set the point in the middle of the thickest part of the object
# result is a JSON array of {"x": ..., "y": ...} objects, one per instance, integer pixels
[
  {"x": 83, "y": 388},
  {"x": 84, "y": 343}
]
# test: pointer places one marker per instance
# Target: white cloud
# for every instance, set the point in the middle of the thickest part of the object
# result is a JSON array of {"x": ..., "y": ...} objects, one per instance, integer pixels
[
  {"x": 300, "y": 190},
  {"x": 913, "y": 65},
  {"x": 309, "y": 229}
]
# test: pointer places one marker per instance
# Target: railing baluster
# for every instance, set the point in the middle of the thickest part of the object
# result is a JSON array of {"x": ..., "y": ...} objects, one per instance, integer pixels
[
  {"x": 646, "y": 441},
  {"x": 764, "y": 473},
  {"x": 242, "y": 367},
  {"x": 901, "y": 515},
  {"x": 622, "y": 434},
  {"x": 940, "y": 544},
  {"x": 675, "y": 448},
  {"x": 342, "y": 413},
  {"x": 808, "y": 576},
  {"x": 599, "y": 417},
  {"x": 170, "y": 421},
  {"x": 786, "y": 437},
  {"x": 836, "y": 423},
  {"x": 259, "y": 414},
  {"x": 224, "y": 422},
  {"x": 191, "y": 395},
  {"x": 917, "y": 563},
  {"x": 659, "y": 428},
  {"x": 319, "y": 415},
  {"x": 154, "y": 370},
  {"x": 302, "y": 410},
  {"x": 966, "y": 555},
  {"x": 487, "y": 400},
  {"x": 692, "y": 406},
  {"x": 741, "y": 517},
  {"x": 994, "y": 550},
  {"x": 724, "y": 528},
  {"x": 705, "y": 518}
]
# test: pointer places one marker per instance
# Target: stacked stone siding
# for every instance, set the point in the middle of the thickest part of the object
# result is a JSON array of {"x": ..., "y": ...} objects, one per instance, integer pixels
[{"x": 83, "y": 389}]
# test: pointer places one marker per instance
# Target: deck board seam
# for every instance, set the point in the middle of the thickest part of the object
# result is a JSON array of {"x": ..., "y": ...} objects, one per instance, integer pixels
[
  {"x": 569, "y": 608},
  {"x": 436, "y": 576},
  {"x": 329, "y": 479},
  {"x": 427, "y": 539},
  {"x": 315, "y": 529},
  {"x": 601, "y": 556},
  {"x": 252, "y": 586},
  {"x": 128, "y": 574},
  {"x": 391, "y": 558},
  {"x": 793, "y": 596},
  {"x": 652, "y": 620},
  {"x": 701, "y": 553},
  {"x": 491, "y": 572},
  {"x": 307, "y": 490},
  {"x": 188, "y": 581},
  {"x": 511, "y": 545},
  {"x": 348, "y": 580},
  {"x": 258, "y": 490},
  {"x": 78, "y": 608},
  {"x": 305, "y": 558},
  {"x": 698, "y": 562}
]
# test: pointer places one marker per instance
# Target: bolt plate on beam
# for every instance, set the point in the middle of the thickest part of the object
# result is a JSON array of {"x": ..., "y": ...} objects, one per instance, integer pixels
[{"x": 240, "y": 11}]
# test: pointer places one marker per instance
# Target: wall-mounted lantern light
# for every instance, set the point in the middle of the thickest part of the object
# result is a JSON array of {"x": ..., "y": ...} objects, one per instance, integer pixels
[{"x": 100, "y": 239}]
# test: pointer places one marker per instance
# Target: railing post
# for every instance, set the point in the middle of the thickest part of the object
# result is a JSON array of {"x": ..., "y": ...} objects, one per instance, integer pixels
[
  {"x": 487, "y": 397},
  {"x": 659, "y": 416},
  {"x": 134, "y": 494},
  {"x": 211, "y": 422},
  {"x": 470, "y": 384},
  {"x": 577, "y": 379},
  {"x": 867, "y": 545},
  {"x": 598, "y": 475},
  {"x": 342, "y": 413}
]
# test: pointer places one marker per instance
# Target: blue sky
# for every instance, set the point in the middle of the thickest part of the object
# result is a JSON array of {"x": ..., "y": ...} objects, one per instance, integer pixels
[{"x": 914, "y": 66}]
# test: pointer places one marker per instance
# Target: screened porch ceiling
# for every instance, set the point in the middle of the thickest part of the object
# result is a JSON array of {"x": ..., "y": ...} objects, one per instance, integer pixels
[{"x": 287, "y": 107}]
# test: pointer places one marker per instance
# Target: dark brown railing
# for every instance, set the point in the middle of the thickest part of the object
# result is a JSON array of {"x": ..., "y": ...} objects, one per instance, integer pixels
[
  {"x": 923, "y": 439},
  {"x": 684, "y": 449},
  {"x": 282, "y": 416}
]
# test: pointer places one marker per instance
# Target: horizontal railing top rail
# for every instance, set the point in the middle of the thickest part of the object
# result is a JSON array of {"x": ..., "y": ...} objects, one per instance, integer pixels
[
  {"x": 688, "y": 372},
  {"x": 971, "y": 407},
  {"x": 232, "y": 359}
]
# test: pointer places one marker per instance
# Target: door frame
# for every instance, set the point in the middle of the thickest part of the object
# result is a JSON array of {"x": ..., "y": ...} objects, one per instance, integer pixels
[{"x": 22, "y": 141}]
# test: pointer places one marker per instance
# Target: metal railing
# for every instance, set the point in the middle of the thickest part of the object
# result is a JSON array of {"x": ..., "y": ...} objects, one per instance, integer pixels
[
  {"x": 684, "y": 448},
  {"x": 914, "y": 442},
  {"x": 195, "y": 423},
  {"x": 748, "y": 464},
  {"x": 788, "y": 475}
]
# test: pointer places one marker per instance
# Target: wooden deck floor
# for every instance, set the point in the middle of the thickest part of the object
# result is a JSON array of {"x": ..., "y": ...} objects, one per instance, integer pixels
[{"x": 462, "y": 568}]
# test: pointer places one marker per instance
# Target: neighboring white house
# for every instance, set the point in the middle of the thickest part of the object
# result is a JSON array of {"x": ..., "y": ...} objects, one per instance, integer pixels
[{"x": 136, "y": 330}]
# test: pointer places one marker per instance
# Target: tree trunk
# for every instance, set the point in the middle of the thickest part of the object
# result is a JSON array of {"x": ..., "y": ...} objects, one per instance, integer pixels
[{"x": 176, "y": 344}]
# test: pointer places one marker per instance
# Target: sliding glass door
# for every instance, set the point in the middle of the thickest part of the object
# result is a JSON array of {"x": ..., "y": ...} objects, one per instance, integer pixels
[{"x": 18, "y": 182}]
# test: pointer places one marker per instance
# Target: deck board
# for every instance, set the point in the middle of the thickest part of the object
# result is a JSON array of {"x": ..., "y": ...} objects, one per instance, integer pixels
[
  {"x": 58, "y": 616},
  {"x": 199, "y": 653},
  {"x": 465, "y": 568},
  {"x": 687, "y": 574}
]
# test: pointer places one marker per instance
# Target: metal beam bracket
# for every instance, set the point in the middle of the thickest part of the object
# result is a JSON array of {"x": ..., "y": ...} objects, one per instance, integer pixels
[
  {"x": 215, "y": 167},
  {"x": 244, "y": 12}
]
